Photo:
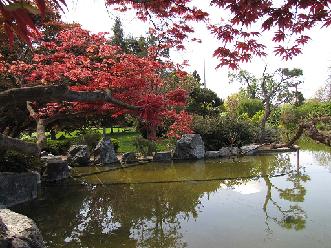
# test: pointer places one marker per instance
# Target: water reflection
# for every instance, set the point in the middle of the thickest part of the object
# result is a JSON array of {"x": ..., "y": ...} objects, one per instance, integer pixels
[
  {"x": 140, "y": 214},
  {"x": 291, "y": 215}
]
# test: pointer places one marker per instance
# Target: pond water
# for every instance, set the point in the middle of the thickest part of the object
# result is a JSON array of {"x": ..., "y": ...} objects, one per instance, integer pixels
[{"x": 278, "y": 200}]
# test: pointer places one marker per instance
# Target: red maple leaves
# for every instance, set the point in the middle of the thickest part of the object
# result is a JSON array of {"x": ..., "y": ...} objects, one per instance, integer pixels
[
  {"x": 88, "y": 62},
  {"x": 238, "y": 33},
  {"x": 17, "y": 17}
]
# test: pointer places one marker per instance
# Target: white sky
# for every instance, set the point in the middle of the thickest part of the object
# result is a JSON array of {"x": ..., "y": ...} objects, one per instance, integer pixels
[{"x": 315, "y": 60}]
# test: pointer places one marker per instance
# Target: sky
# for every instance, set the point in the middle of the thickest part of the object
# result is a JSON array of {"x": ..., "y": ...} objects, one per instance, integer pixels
[{"x": 314, "y": 60}]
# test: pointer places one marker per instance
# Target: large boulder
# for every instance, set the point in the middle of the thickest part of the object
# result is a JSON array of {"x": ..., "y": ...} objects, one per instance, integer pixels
[
  {"x": 190, "y": 146},
  {"x": 104, "y": 153},
  {"x": 17, "y": 188},
  {"x": 18, "y": 231},
  {"x": 78, "y": 155},
  {"x": 162, "y": 157},
  {"x": 56, "y": 170}
]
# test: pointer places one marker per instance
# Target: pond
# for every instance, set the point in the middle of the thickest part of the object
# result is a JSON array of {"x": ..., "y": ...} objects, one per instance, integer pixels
[{"x": 278, "y": 200}]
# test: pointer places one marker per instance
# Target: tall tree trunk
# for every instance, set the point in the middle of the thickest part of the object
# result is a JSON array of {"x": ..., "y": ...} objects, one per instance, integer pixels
[
  {"x": 53, "y": 134},
  {"x": 267, "y": 112},
  {"x": 104, "y": 132},
  {"x": 151, "y": 132},
  {"x": 41, "y": 135}
]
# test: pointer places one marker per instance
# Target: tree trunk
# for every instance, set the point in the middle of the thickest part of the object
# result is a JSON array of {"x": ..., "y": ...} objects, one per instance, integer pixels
[
  {"x": 41, "y": 135},
  {"x": 267, "y": 112},
  {"x": 151, "y": 132},
  {"x": 53, "y": 134}
]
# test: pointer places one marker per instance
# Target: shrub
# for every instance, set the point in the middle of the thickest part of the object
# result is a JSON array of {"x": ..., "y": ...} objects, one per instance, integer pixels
[
  {"x": 144, "y": 146},
  {"x": 116, "y": 144},
  {"x": 11, "y": 161},
  {"x": 89, "y": 138},
  {"x": 58, "y": 147},
  {"x": 249, "y": 106},
  {"x": 221, "y": 131}
]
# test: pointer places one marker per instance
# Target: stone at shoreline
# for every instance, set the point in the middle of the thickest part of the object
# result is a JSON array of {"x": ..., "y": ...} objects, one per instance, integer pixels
[
  {"x": 17, "y": 188},
  {"x": 56, "y": 170},
  {"x": 43, "y": 153},
  {"x": 129, "y": 157},
  {"x": 162, "y": 157},
  {"x": 212, "y": 154},
  {"x": 18, "y": 231},
  {"x": 78, "y": 155},
  {"x": 190, "y": 146},
  {"x": 229, "y": 151},
  {"x": 249, "y": 149},
  {"x": 104, "y": 153}
]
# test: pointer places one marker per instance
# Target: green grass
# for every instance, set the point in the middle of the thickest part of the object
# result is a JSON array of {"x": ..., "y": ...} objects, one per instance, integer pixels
[
  {"x": 127, "y": 139},
  {"x": 125, "y": 136}
]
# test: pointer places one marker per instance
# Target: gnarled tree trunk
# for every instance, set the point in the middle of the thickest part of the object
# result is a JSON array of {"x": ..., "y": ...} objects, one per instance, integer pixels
[{"x": 45, "y": 94}]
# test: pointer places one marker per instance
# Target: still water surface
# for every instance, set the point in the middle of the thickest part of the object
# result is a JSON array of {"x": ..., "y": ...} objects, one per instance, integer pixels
[{"x": 264, "y": 201}]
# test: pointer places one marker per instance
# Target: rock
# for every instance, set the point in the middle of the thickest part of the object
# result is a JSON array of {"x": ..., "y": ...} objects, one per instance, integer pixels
[
  {"x": 104, "y": 153},
  {"x": 229, "y": 151},
  {"x": 17, "y": 188},
  {"x": 18, "y": 231},
  {"x": 249, "y": 149},
  {"x": 212, "y": 154},
  {"x": 129, "y": 157},
  {"x": 162, "y": 157},
  {"x": 52, "y": 157},
  {"x": 56, "y": 170},
  {"x": 78, "y": 155},
  {"x": 43, "y": 154},
  {"x": 190, "y": 146}
]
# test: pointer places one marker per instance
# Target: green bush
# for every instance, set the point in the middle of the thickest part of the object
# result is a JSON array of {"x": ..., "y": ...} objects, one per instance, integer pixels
[
  {"x": 58, "y": 147},
  {"x": 144, "y": 146},
  {"x": 11, "y": 161},
  {"x": 291, "y": 116},
  {"x": 221, "y": 131},
  {"x": 116, "y": 144},
  {"x": 249, "y": 106},
  {"x": 89, "y": 138}
]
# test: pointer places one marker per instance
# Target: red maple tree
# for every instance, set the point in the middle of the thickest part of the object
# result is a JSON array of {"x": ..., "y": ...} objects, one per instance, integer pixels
[{"x": 88, "y": 62}]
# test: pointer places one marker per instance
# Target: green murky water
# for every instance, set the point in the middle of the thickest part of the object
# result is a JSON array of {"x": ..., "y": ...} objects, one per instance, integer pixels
[{"x": 277, "y": 200}]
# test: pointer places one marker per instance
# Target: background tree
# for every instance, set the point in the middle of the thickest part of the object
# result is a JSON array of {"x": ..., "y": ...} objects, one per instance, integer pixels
[
  {"x": 272, "y": 88},
  {"x": 118, "y": 35},
  {"x": 196, "y": 76},
  {"x": 204, "y": 102}
]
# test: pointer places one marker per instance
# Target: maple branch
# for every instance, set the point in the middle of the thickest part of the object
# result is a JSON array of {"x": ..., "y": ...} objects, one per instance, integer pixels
[
  {"x": 310, "y": 129},
  {"x": 56, "y": 93},
  {"x": 44, "y": 94}
]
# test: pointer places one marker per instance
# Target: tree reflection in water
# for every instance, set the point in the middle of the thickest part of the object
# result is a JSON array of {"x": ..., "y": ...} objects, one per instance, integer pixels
[
  {"x": 289, "y": 214},
  {"x": 152, "y": 214}
]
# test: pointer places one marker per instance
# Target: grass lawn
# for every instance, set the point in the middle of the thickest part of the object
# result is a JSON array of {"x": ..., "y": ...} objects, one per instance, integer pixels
[{"x": 126, "y": 138}]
